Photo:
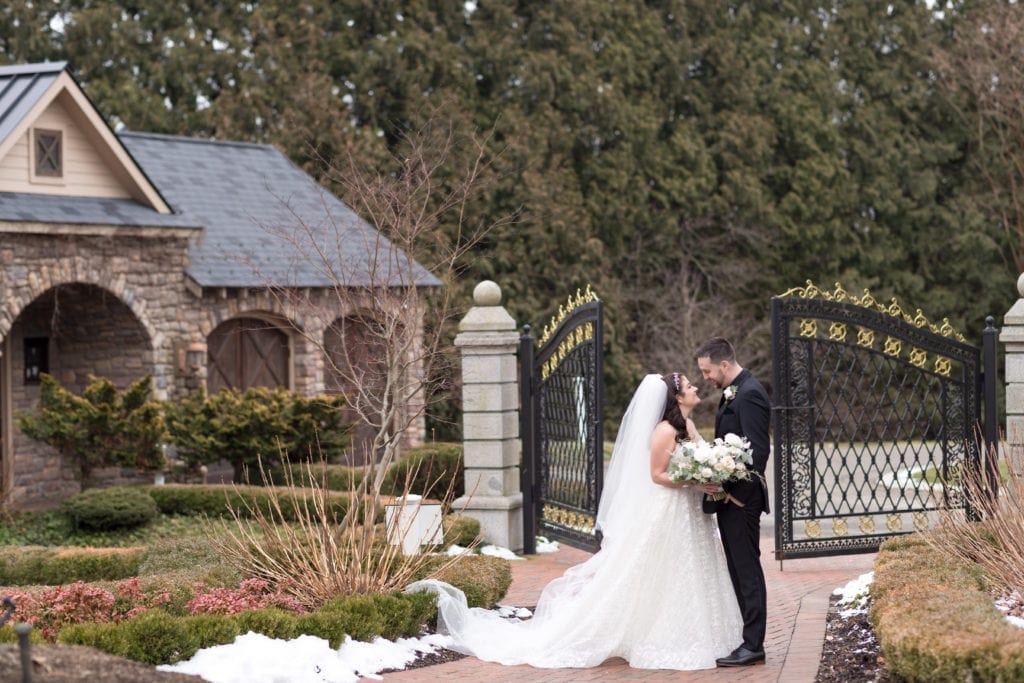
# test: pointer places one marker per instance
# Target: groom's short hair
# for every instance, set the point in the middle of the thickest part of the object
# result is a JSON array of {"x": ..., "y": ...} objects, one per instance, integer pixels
[{"x": 716, "y": 349}]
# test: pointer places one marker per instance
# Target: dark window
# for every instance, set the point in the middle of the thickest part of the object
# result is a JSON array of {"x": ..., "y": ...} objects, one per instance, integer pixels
[
  {"x": 49, "y": 159},
  {"x": 37, "y": 358}
]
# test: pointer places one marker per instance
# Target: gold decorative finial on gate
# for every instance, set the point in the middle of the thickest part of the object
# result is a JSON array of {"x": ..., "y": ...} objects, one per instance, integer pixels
[
  {"x": 574, "y": 302},
  {"x": 866, "y": 300}
]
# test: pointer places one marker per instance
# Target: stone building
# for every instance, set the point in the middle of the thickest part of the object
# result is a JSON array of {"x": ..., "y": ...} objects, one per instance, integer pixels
[{"x": 126, "y": 254}]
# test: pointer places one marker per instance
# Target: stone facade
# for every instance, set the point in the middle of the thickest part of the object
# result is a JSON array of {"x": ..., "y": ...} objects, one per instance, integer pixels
[{"x": 116, "y": 303}]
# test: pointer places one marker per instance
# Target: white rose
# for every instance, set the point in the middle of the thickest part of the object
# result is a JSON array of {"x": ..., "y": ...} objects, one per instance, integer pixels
[
  {"x": 729, "y": 464},
  {"x": 734, "y": 440},
  {"x": 706, "y": 473}
]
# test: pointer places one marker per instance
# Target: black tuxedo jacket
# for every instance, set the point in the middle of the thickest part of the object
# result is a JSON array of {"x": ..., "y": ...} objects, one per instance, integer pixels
[{"x": 748, "y": 414}]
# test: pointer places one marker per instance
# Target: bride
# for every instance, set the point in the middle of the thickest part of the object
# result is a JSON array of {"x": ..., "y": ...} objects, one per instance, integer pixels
[{"x": 657, "y": 594}]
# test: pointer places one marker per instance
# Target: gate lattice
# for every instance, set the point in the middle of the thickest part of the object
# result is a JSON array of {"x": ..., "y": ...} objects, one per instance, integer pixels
[
  {"x": 870, "y": 404},
  {"x": 562, "y": 412}
]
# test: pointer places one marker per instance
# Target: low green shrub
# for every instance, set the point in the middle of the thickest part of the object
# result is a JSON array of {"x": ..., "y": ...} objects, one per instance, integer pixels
[
  {"x": 935, "y": 619},
  {"x": 108, "y": 637},
  {"x": 336, "y": 477},
  {"x": 159, "y": 637},
  {"x": 245, "y": 426},
  {"x": 484, "y": 579},
  {"x": 460, "y": 530},
  {"x": 153, "y": 637},
  {"x": 120, "y": 507},
  {"x": 102, "y": 427},
  {"x": 271, "y": 622},
  {"x": 23, "y": 566},
  {"x": 322, "y": 625},
  {"x": 156, "y": 637},
  {"x": 7, "y": 635},
  {"x": 219, "y": 500},
  {"x": 430, "y": 470}
]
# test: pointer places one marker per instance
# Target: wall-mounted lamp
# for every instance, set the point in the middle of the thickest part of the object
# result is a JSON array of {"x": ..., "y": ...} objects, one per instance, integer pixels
[{"x": 191, "y": 358}]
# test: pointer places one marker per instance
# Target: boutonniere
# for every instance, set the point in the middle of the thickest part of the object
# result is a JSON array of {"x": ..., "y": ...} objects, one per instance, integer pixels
[{"x": 730, "y": 392}]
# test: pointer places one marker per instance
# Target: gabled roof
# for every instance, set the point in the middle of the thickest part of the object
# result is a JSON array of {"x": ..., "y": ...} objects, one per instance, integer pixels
[
  {"x": 266, "y": 219},
  {"x": 28, "y": 89}
]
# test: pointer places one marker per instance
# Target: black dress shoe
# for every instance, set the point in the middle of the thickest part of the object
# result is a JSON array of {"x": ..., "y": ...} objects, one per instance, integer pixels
[{"x": 741, "y": 656}]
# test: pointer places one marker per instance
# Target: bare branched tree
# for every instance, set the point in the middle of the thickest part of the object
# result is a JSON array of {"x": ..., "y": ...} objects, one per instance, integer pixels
[
  {"x": 694, "y": 303},
  {"x": 383, "y": 318}
]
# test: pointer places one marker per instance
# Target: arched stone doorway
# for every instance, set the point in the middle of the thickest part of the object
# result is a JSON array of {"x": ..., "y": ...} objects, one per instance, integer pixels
[
  {"x": 248, "y": 352},
  {"x": 71, "y": 331},
  {"x": 356, "y": 355}
]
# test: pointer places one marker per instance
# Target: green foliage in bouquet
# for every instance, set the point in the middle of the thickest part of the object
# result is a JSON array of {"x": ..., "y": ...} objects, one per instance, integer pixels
[
  {"x": 242, "y": 427},
  {"x": 100, "y": 428}
]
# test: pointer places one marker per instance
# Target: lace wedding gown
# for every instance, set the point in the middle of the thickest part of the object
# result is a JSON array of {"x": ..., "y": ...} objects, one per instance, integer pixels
[{"x": 658, "y": 593}]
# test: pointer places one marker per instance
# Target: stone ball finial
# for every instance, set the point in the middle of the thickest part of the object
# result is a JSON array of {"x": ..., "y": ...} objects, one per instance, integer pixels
[
  {"x": 487, "y": 293},
  {"x": 1020, "y": 285}
]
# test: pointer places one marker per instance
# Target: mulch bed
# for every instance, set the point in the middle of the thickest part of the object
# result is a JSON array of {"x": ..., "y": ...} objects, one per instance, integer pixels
[{"x": 851, "y": 653}]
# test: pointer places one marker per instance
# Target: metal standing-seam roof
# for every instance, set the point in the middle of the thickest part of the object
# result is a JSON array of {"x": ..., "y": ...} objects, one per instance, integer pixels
[{"x": 20, "y": 89}]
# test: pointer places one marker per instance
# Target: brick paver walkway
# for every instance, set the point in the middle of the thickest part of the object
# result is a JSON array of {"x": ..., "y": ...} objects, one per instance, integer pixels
[{"x": 798, "y": 595}]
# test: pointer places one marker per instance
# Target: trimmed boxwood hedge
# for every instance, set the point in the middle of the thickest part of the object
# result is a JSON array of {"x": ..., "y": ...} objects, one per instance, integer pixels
[
  {"x": 28, "y": 565},
  {"x": 337, "y": 477},
  {"x": 432, "y": 467},
  {"x": 157, "y": 637},
  {"x": 217, "y": 500},
  {"x": 119, "y": 507},
  {"x": 935, "y": 619}
]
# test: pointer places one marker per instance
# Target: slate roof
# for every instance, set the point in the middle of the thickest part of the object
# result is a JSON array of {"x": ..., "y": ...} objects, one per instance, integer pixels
[
  {"x": 263, "y": 218},
  {"x": 42, "y": 208}
]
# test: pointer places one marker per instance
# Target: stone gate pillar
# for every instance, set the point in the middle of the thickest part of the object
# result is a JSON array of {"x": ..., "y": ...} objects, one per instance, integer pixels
[
  {"x": 488, "y": 341},
  {"x": 1012, "y": 337}
]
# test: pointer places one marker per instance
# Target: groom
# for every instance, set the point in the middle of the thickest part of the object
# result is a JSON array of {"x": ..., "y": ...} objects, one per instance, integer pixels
[{"x": 744, "y": 410}]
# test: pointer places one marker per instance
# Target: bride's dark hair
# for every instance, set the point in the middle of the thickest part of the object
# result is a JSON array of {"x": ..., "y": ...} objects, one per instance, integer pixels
[{"x": 674, "y": 383}]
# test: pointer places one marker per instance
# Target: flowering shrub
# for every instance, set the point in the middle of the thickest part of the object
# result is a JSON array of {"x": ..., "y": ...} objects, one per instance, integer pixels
[
  {"x": 78, "y": 602},
  {"x": 250, "y": 594}
]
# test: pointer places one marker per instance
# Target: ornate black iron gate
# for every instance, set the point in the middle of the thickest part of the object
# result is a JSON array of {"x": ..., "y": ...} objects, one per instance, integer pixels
[
  {"x": 561, "y": 419},
  {"x": 875, "y": 412}
]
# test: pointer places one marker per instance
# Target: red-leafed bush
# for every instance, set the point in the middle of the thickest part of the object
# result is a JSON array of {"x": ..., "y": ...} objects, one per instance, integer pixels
[{"x": 250, "y": 594}]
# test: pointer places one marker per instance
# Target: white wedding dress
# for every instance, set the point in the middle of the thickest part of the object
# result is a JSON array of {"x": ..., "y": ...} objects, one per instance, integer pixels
[{"x": 657, "y": 594}]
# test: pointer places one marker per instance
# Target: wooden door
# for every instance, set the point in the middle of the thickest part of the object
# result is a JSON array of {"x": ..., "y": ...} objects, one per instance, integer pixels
[{"x": 247, "y": 352}]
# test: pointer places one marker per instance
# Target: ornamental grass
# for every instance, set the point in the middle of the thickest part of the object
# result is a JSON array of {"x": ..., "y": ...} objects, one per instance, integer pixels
[
  {"x": 994, "y": 540},
  {"x": 311, "y": 551}
]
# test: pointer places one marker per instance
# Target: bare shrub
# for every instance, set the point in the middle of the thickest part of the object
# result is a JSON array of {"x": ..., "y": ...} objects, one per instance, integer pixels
[
  {"x": 994, "y": 541},
  {"x": 317, "y": 557}
]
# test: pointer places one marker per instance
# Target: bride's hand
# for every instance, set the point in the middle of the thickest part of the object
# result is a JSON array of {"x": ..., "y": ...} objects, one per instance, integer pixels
[{"x": 710, "y": 488}]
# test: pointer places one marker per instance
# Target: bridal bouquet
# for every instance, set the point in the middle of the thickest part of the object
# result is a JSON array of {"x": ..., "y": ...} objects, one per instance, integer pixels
[{"x": 715, "y": 462}]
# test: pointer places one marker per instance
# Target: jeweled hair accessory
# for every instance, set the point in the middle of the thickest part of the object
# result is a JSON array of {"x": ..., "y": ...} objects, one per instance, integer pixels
[{"x": 676, "y": 382}]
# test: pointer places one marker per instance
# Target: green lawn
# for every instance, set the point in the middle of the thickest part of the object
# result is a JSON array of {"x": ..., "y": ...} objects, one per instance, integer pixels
[{"x": 932, "y": 475}]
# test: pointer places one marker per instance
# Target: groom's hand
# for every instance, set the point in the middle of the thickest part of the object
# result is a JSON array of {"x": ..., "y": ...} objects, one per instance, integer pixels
[{"x": 710, "y": 489}]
